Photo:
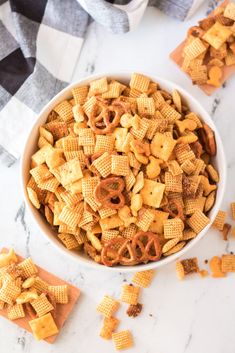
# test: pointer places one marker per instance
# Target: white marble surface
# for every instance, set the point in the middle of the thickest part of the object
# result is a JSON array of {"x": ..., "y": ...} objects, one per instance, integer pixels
[{"x": 194, "y": 316}]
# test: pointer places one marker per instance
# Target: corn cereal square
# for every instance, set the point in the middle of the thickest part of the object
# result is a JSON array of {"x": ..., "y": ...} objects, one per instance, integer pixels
[
  {"x": 86, "y": 137},
  {"x": 27, "y": 267},
  {"x": 109, "y": 325},
  {"x": 60, "y": 293},
  {"x": 9, "y": 292},
  {"x": 122, "y": 340},
  {"x": 104, "y": 143},
  {"x": 64, "y": 109},
  {"x": 173, "y": 228},
  {"x": 139, "y": 82},
  {"x": 220, "y": 220},
  {"x": 130, "y": 294},
  {"x": 79, "y": 94},
  {"x": 145, "y": 106},
  {"x": 42, "y": 305},
  {"x": 120, "y": 165},
  {"x": 98, "y": 86},
  {"x": 143, "y": 278},
  {"x": 145, "y": 218},
  {"x": 194, "y": 49},
  {"x": 198, "y": 221},
  {"x": 15, "y": 312},
  {"x": 173, "y": 183},
  {"x": 103, "y": 164},
  {"x": 108, "y": 306},
  {"x": 68, "y": 240},
  {"x": 228, "y": 263}
]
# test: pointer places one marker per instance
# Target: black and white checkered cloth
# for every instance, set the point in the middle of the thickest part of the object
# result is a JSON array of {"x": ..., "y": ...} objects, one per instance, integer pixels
[{"x": 40, "y": 42}]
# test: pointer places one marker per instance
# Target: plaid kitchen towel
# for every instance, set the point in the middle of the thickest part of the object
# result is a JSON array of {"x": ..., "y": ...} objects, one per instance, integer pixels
[{"x": 40, "y": 42}]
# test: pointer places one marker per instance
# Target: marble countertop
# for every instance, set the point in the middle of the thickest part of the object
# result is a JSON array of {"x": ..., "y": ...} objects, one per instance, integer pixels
[{"x": 193, "y": 316}]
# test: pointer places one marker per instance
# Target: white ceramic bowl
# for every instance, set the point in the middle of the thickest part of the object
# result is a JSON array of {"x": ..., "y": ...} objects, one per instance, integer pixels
[{"x": 31, "y": 147}]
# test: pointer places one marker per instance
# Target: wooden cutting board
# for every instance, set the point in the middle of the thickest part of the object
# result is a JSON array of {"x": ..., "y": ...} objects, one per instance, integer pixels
[
  {"x": 62, "y": 310},
  {"x": 227, "y": 71}
]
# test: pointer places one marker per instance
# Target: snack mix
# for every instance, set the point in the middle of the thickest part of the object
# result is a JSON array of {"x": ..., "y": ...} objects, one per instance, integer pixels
[
  {"x": 28, "y": 299},
  {"x": 208, "y": 53},
  {"x": 124, "y": 172}
]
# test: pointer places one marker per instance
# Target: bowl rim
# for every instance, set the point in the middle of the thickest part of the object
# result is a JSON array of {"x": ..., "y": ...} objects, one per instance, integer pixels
[{"x": 141, "y": 267}]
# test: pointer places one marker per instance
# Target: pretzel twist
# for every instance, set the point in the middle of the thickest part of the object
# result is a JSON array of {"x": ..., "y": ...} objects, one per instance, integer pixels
[
  {"x": 143, "y": 247},
  {"x": 109, "y": 192},
  {"x": 178, "y": 212},
  {"x": 104, "y": 118}
]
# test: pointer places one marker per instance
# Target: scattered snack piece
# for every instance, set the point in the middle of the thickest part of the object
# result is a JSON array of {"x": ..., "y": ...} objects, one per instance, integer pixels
[
  {"x": 220, "y": 220},
  {"x": 27, "y": 267},
  {"x": 143, "y": 278},
  {"x": 186, "y": 267},
  {"x": 109, "y": 326},
  {"x": 216, "y": 267},
  {"x": 228, "y": 263},
  {"x": 25, "y": 298},
  {"x": 134, "y": 310},
  {"x": 226, "y": 230},
  {"x": 203, "y": 273},
  {"x": 8, "y": 258},
  {"x": 215, "y": 74},
  {"x": 15, "y": 312},
  {"x": 122, "y": 340},
  {"x": 206, "y": 54},
  {"x": 122, "y": 171},
  {"x": 108, "y": 306},
  {"x": 60, "y": 293},
  {"x": 43, "y": 327},
  {"x": 42, "y": 305},
  {"x": 130, "y": 294},
  {"x": 233, "y": 209}
]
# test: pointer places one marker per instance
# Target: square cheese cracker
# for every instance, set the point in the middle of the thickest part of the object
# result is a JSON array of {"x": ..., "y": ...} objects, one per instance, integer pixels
[{"x": 152, "y": 193}]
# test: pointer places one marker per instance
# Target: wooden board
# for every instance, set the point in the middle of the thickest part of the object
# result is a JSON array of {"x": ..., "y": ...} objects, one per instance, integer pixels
[
  {"x": 62, "y": 310},
  {"x": 227, "y": 71}
]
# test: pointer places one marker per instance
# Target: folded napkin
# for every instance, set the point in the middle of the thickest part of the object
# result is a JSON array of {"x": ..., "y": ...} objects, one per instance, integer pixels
[{"x": 40, "y": 42}]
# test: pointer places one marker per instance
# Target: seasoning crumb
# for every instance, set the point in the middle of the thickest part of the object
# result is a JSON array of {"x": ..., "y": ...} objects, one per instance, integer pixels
[
  {"x": 134, "y": 310},
  {"x": 203, "y": 273},
  {"x": 226, "y": 230}
]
